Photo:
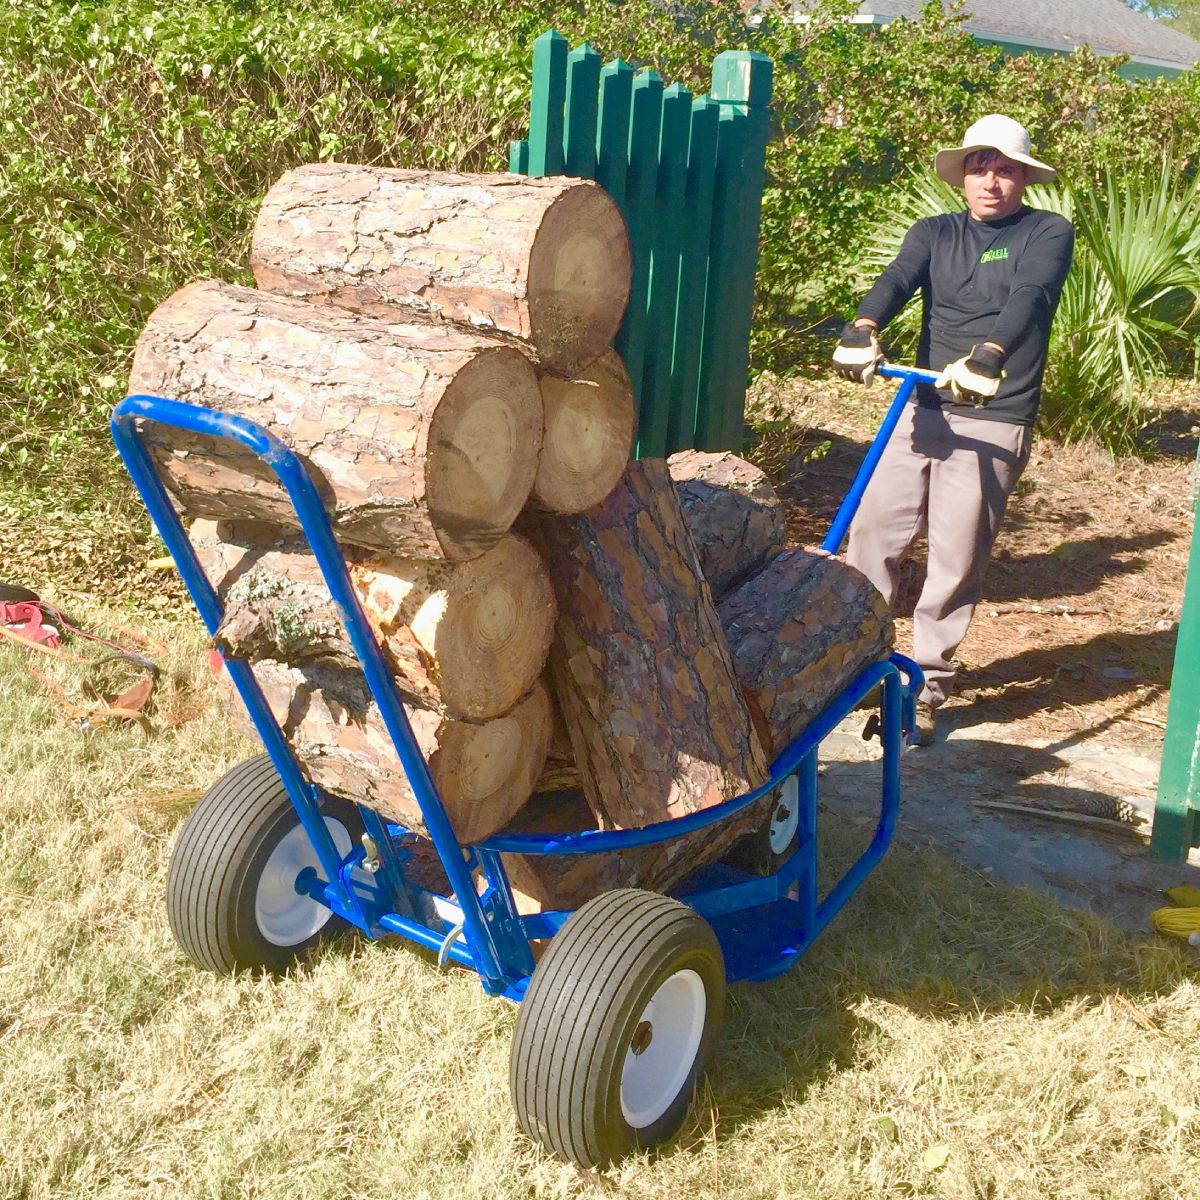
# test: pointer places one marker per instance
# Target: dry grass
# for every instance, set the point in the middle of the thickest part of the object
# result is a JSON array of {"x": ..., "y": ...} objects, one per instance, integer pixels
[{"x": 948, "y": 1038}]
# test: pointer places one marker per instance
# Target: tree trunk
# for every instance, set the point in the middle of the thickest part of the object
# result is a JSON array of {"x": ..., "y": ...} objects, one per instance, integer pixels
[
  {"x": 640, "y": 667},
  {"x": 465, "y": 639},
  {"x": 422, "y": 440},
  {"x": 590, "y": 422},
  {"x": 799, "y": 632},
  {"x": 484, "y": 773},
  {"x": 732, "y": 513},
  {"x": 546, "y": 260}
]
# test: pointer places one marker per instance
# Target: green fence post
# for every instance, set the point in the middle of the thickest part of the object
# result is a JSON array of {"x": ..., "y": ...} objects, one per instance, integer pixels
[
  {"x": 742, "y": 86},
  {"x": 655, "y": 410},
  {"x": 696, "y": 219},
  {"x": 583, "y": 80},
  {"x": 1177, "y": 810},
  {"x": 518, "y": 157},
  {"x": 546, "y": 104},
  {"x": 645, "y": 120},
  {"x": 612, "y": 129}
]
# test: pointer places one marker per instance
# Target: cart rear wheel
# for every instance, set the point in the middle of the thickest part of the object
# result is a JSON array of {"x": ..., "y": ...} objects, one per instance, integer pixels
[
  {"x": 770, "y": 846},
  {"x": 617, "y": 1027},
  {"x": 231, "y": 889}
]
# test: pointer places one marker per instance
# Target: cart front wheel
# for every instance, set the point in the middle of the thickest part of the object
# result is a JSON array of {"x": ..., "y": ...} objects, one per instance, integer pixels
[
  {"x": 617, "y": 1027},
  {"x": 232, "y": 899}
]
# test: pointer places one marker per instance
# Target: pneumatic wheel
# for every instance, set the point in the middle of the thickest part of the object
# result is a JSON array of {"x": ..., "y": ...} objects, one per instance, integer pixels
[
  {"x": 231, "y": 888},
  {"x": 617, "y": 1027}
]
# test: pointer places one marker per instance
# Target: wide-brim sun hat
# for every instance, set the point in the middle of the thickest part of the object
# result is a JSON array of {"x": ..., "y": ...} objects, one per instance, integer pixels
[{"x": 993, "y": 132}]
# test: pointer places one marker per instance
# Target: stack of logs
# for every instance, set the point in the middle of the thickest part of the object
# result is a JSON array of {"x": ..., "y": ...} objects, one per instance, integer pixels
[{"x": 437, "y": 349}]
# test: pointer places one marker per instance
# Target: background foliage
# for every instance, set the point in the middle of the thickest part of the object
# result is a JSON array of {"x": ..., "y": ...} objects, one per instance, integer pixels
[{"x": 137, "y": 138}]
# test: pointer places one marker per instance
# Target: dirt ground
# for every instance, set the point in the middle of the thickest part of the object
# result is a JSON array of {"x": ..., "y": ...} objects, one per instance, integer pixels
[{"x": 1062, "y": 698}]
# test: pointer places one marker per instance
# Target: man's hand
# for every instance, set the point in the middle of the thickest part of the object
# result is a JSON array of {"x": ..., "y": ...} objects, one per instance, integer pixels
[
  {"x": 858, "y": 354},
  {"x": 974, "y": 379}
]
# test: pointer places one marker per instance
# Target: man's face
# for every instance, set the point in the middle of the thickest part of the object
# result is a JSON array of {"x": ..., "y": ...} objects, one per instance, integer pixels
[{"x": 994, "y": 185}]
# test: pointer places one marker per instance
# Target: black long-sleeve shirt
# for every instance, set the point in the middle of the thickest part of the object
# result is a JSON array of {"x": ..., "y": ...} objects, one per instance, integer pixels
[{"x": 981, "y": 281}]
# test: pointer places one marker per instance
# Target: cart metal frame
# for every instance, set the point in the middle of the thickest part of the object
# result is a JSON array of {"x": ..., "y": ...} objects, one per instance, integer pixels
[{"x": 763, "y": 923}]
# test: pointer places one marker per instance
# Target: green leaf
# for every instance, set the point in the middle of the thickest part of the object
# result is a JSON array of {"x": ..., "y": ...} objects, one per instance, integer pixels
[
  {"x": 887, "y": 1127},
  {"x": 935, "y": 1158}
]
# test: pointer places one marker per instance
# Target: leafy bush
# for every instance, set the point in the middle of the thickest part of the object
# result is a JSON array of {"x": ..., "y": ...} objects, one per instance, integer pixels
[{"x": 1132, "y": 294}]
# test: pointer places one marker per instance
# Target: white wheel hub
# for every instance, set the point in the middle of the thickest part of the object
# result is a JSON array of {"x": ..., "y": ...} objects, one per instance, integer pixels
[
  {"x": 786, "y": 816},
  {"x": 663, "y": 1049},
  {"x": 285, "y": 916}
]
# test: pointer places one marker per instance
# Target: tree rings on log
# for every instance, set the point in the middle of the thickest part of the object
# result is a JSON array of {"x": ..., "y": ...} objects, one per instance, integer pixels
[
  {"x": 799, "y": 632},
  {"x": 732, "y": 512},
  {"x": 545, "y": 260},
  {"x": 590, "y": 422},
  {"x": 422, "y": 440},
  {"x": 483, "y": 772}
]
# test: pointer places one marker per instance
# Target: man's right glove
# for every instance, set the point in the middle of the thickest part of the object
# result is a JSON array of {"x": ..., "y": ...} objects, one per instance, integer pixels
[
  {"x": 975, "y": 378},
  {"x": 858, "y": 354}
]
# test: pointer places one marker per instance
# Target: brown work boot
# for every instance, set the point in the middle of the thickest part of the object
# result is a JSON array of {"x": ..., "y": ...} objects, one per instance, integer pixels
[{"x": 926, "y": 725}]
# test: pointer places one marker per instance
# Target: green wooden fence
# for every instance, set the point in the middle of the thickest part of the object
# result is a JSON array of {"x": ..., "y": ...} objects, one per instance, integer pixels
[
  {"x": 687, "y": 173},
  {"x": 1177, "y": 812}
]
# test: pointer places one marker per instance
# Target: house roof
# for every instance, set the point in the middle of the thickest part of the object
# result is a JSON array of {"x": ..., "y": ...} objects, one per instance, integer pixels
[{"x": 1108, "y": 26}]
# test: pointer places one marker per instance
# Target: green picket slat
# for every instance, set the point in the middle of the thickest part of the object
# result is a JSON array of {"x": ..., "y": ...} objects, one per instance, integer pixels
[
  {"x": 546, "y": 107},
  {"x": 645, "y": 120},
  {"x": 518, "y": 157},
  {"x": 655, "y": 412},
  {"x": 742, "y": 85},
  {"x": 695, "y": 219},
  {"x": 582, "y": 106},
  {"x": 612, "y": 128}
]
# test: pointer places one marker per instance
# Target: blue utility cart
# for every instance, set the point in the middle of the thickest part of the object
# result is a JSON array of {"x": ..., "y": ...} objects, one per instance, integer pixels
[{"x": 620, "y": 1013}]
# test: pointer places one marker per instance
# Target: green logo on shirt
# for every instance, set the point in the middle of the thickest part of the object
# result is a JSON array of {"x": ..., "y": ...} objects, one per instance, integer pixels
[{"x": 994, "y": 255}]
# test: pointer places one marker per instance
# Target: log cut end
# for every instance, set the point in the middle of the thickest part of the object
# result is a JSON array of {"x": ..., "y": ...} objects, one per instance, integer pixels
[
  {"x": 579, "y": 272},
  {"x": 589, "y": 426}
]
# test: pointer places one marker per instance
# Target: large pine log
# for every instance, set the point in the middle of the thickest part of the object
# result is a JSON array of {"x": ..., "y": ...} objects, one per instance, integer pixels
[
  {"x": 465, "y": 639},
  {"x": 799, "y": 632},
  {"x": 422, "y": 440},
  {"x": 732, "y": 512},
  {"x": 484, "y": 773},
  {"x": 590, "y": 422},
  {"x": 546, "y": 260},
  {"x": 640, "y": 666}
]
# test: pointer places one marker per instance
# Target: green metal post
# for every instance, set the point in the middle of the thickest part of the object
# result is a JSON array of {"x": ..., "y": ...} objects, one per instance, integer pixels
[
  {"x": 1177, "y": 811},
  {"x": 546, "y": 106},
  {"x": 583, "y": 80},
  {"x": 742, "y": 86},
  {"x": 655, "y": 411}
]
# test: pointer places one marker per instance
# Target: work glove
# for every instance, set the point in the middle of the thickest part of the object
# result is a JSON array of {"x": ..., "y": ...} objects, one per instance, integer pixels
[
  {"x": 974, "y": 379},
  {"x": 858, "y": 354}
]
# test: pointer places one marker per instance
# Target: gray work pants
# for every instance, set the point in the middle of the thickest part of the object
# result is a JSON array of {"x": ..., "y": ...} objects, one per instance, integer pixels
[{"x": 951, "y": 476}]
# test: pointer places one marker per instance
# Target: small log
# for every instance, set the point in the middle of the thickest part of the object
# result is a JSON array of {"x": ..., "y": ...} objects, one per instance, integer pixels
[
  {"x": 640, "y": 666},
  {"x": 799, "y": 632},
  {"x": 545, "y": 260},
  {"x": 467, "y": 640},
  {"x": 733, "y": 514},
  {"x": 484, "y": 773},
  {"x": 422, "y": 440},
  {"x": 590, "y": 422}
]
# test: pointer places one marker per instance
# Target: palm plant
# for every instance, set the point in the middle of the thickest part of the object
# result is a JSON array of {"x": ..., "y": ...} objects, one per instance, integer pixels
[{"x": 1132, "y": 297}]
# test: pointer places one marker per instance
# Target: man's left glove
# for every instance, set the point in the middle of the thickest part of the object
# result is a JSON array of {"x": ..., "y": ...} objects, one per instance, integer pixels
[
  {"x": 858, "y": 354},
  {"x": 974, "y": 379}
]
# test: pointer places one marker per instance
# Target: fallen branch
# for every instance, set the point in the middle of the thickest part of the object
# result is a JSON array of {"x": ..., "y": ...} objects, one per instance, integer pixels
[
  {"x": 1055, "y": 814},
  {"x": 1053, "y": 610}
]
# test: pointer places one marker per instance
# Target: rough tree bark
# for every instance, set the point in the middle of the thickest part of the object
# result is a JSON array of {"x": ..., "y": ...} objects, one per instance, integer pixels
[
  {"x": 732, "y": 512},
  {"x": 546, "y": 260},
  {"x": 640, "y": 667},
  {"x": 590, "y": 422},
  {"x": 799, "y": 631},
  {"x": 465, "y": 639},
  {"x": 422, "y": 440},
  {"x": 484, "y": 773}
]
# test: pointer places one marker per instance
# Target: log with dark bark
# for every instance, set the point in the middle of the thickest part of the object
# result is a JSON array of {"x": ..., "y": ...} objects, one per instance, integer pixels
[
  {"x": 732, "y": 512},
  {"x": 422, "y": 440},
  {"x": 799, "y": 632},
  {"x": 465, "y": 639},
  {"x": 640, "y": 666},
  {"x": 484, "y": 772},
  {"x": 590, "y": 422},
  {"x": 545, "y": 260}
]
